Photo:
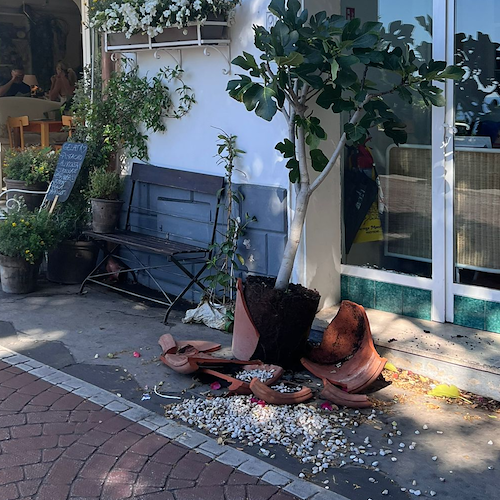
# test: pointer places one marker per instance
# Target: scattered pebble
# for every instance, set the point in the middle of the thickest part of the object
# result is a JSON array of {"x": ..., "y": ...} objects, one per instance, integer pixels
[
  {"x": 248, "y": 375},
  {"x": 439, "y": 432},
  {"x": 372, "y": 480},
  {"x": 490, "y": 442},
  {"x": 385, "y": 492},
  {"x": 432, "y": 493},
  {"x": 490, "y": 467},
  {"x": 417, "y": 432},
  {"x": 425, "y": 427},
  {"x": 434, "y": 458},
  {"x": 414, "y": 483},
  {"x": 442, "y": 479}
]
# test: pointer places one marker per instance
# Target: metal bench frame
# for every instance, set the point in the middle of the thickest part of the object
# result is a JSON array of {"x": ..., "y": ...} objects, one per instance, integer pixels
[{"x": 176, "y": 253}]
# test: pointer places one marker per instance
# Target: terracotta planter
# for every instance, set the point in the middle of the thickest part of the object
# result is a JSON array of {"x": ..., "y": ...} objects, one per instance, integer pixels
[
  {"x": 32, "y": 201},
  {"x": 105, "y": 215},
  {"x": 282, "y": 322},
  {"x": 17, "y": 275},
  {"x": 71, "y": 262}
]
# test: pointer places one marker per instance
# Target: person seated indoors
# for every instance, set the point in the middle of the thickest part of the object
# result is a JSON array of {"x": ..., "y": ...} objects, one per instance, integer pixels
[
  {"x": 15, "y": 86},
  {"x": 62, "y": 83}
]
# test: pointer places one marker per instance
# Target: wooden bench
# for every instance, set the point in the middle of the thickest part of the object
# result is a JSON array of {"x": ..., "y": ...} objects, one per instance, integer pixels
[{"x": 181, "y": 237}]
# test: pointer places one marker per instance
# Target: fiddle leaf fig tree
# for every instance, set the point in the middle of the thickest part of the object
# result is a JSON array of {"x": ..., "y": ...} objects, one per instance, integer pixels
[{"x": 326, "y": 62}]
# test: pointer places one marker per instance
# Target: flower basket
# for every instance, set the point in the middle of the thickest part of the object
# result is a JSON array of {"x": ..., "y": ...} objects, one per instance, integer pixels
[
  {"x": 208, "y": 31},
  {"x": 120, "y": 40}
]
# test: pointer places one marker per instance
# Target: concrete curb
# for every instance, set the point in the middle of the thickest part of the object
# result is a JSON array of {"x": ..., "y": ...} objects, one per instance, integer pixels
[{"x": 178, "y": 433}]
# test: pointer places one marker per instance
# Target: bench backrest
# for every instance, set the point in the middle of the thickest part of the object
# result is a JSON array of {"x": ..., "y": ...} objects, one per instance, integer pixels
[{"x": 186, "y": 210}]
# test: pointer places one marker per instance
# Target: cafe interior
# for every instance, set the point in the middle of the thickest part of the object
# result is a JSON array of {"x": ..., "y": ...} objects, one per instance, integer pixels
[{"x": 37, "y": 36}]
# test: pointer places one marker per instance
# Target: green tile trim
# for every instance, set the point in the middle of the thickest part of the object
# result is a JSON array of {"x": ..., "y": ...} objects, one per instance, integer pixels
[
  {"x": 389, "y": 297},
  {"x": 361, "y": 291},
  {"x": 469, "y": 312},
  {"x": 417, "y": 303},
  {"x": 492, "y": 317}
]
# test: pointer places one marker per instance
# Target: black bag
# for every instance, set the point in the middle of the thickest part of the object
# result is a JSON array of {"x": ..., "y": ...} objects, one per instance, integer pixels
[{"x": 360, "y": 191}]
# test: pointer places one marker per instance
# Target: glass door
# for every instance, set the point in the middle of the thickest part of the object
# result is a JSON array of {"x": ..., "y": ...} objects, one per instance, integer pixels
[{"x": 473, "y": 203}]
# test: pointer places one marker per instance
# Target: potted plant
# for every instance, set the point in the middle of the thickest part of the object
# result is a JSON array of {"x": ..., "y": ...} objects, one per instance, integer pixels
[
  {"x": 163, "y": 20},
  {"x": 306, "y": 65},
  {"x": 104, "y": 192},
  {"x": 29, "y": 169},
  {"x": 24, "y": 238}
]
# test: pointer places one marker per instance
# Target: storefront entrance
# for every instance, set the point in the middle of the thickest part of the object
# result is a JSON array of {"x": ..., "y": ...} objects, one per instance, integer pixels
[{"x": 429, "y": 244}]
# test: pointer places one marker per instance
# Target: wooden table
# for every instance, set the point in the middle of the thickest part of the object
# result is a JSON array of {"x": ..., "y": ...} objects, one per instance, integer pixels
[{"x": 44, "y": 127}]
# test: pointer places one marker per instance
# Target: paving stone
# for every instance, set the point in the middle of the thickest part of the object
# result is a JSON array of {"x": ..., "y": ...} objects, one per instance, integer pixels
[
  {"x": 235, "y": 492},
  {"x": 149, "y": 445},
  {"x": 155, "y": 474},
  {"x": 301, "y": 489},
  {"x": 64, "y": 471},
  {"x": 260, "y": 491},
  {"x": 233, "y": 457},
  {"x": 79, "y": 451},
  {"x": 98, "y": 466},
  {"x": 275, "y": 478},
  {"x": 29, "y": 443},
  {"x": 119, "y": 443},
  {"x": 171, "y": 430},
  {"x": 117, "y": 491},
  {"x": 53, "y": 492},
  {"x": 9, "y": 492},
  {"x": 122, "y": 476},
  {"x": 254, "y": 467},
  {"x": 136, "y": 414},
  {"x": 214, "y": 474},
  {"x": 57, "y": 429},
  {"x": 238, "y": 478},
  {"x": 36, "y": 471},
  {"x": 187, "y": 468},
  {"x": 170, "y": 454},
  {"x": 11, "y": 475},
  {"x": 27, "y": 488},
  {"x": 131, "y": 461},
  {"x": 191, "y": 439},
  {"x": 213, "y": 447},
  {"x": 114, "y": 424},
  {"x": 117, "y": 406},
  {"x": 201, "y": 492},
  {"x": 21, "y": 431},
  {"x": 86, "y": 488}
]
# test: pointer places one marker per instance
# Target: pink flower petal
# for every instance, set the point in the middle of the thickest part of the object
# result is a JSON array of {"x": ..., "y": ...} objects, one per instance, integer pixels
[
  {"x": 326, "y": 406},
  {"x": 137, "y": 354},
  {"x": 215, "y": 386},
  {"x": 254, "y": 400},
  {"x": 261, "y": 402}
]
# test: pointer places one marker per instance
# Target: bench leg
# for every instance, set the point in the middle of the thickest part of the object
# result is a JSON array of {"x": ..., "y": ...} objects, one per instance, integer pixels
[
  {"x": 194, "y": 279},
  {"x": 107, "y": 253}
]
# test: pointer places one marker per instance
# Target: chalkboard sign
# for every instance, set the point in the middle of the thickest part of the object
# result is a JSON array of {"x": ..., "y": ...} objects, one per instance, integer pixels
[{"x": 68, "y": 167}]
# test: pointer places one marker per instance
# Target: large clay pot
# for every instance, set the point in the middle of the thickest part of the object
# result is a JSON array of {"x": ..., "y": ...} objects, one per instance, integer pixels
[
  {"x": 105, "y": 215},
  {"x": 32, "y": 201},
  {"x": 17, "y": 275},
  {"x": 71, "y": 261},
  {"x": 279, "y": 322}
]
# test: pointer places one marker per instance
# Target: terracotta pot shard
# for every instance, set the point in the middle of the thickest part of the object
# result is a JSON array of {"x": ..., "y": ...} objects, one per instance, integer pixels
[
  {"x": 262, "y": 391},
  {"x": 245, "y": 335},
  {"x": 347, "y": 336},
  {"x": 342, "y": 398}
]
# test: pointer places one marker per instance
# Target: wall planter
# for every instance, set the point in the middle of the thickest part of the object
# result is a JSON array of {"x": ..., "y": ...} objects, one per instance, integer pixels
[
  {"x": 32, "y": 200},
  {"x": 71, "y": 262},
  {"x": 105, "y": 215},
  {"x": 213, "y": 31},
  {"x": 17, "y": 275}
]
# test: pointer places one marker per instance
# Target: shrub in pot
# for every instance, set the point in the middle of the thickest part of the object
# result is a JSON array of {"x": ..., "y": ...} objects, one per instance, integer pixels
[
  {"x": 24, "y": 238},
  {"x": 104, "y": 192},
  {"x": 306, "y": 64},
  {"x": 29, "y": 169}
]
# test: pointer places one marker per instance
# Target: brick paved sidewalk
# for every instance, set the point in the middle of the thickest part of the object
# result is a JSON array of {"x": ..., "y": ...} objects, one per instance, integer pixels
[{"x": 56, "y": 445}]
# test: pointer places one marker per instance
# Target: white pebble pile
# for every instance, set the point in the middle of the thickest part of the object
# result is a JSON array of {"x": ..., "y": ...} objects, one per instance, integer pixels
[
  {"x": 285, "y": 389},
  {"x": 248, "y": 375},
  {"x": 308, "y": 434}
]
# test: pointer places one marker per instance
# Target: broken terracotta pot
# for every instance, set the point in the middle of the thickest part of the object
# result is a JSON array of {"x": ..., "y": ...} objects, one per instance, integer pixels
[
  {"x": 240, "y": 386},
  {"x": 348, "y": 337},
  {"x": 245, "y": 334},
  {"x": 185, "y": 356},
  {"x": 342, "y": 398},
  {"x": 262, "y": 391}
]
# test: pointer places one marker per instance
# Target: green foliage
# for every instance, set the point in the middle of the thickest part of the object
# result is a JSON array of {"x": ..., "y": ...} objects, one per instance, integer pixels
[
  {"x": 28, "y": 234},
  {"x": 225, "y": 259},
  {"x": 113, "y": 117},
  {"x": 31, "y": 164},
  {"x": 105, "y": 184},
  {"x": 72, "y": 217},
  {"x": 322, "y": 61},
  {"x": 327, "y": 59}
]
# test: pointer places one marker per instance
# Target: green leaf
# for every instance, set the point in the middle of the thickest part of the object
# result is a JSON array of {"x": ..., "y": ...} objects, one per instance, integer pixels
[
  {"x": 286, "y": 148},
  {"x": 334, "y": 69},
  {"x": 328, "y": 96},
  {"x": 365, "y": 41},
  {"x": 246, "y": 61},
  {"x": 292, "y": 59},
  {"x": 318, "y": 160},
  {"x": 277, "y": 7},
  {"x": 241, "y": 259},
  {"x": 354, "y": 132},
  {"x": 451, "y": 72}
]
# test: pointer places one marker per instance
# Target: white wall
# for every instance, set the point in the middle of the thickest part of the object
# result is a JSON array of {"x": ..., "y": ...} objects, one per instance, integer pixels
[{"x": 190, "y": 143}]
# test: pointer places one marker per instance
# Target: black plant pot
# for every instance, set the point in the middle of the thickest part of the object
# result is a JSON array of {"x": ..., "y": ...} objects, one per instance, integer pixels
[{"x": 71, "y": 262}]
